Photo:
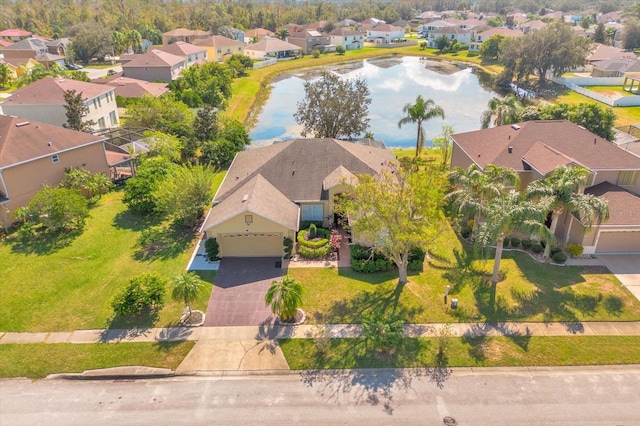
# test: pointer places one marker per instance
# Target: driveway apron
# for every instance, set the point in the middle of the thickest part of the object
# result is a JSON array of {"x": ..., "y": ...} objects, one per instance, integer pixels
[{"x": 237, "y": 298}]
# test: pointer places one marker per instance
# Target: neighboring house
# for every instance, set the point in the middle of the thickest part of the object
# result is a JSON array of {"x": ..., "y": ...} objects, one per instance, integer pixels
[
  {"x": 17, "y": 66},
  {"x": 317, "y": 26},
  {"x": 14, "y": 34},
  {"x": 153, "y": 65},
  {"x": 474, "y": 46},
  {"x": 272, "y": 48},
  {"x": 452, "y": 34},
  {"x": 292, "y": 28},
  {"x": 602, "y": 52},
  {"x": 132, "y": 88},
  {"x": 35, "y": 49},
  {"x": 347, "y": 23},
  {"x": 310, "y": 40},
  {"x": 615, "y": 67},
  {"x": 190, "y": 52},
  {"x": 348, "y": 38},
  {"x": 532, "y": 26},
  {"x": 43, "y": 101},
  {"x": 536, "y": 148},
  {"x": 256, "y": 34},
  {"x": 33, "y": 154},
  {"x": 367, "y": 24},
  {"x": 219, "y": 47},
  {"x": 384, "y": 33},
  {"x": 268, "y": 191},
  {"x": 183, "y": 34},
  {"x": 428, "y": 16}
]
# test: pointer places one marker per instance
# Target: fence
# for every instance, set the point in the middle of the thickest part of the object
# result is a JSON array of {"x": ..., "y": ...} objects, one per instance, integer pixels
[
  {"x": 576, "y": 84},
  {"x": 265, "y": 63}
]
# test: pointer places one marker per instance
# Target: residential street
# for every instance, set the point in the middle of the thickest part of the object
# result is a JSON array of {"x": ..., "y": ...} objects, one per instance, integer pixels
[{"x": 575, "y": 395}]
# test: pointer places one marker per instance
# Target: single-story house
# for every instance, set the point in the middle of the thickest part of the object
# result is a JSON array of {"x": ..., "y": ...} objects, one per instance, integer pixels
[
  {"x": 43, "y": 101},
  {"x": 536, "y": 148},
  {"x": 269, "y": 191},
  {"x": 153, "y": 65},
  {"x": 218, "y": 47},
  {"x": 190, "y": 52},
  {"x": 615, "y": 67},
  {"x": 270, "y": 47},
  {"x": 34, "y": 153}
]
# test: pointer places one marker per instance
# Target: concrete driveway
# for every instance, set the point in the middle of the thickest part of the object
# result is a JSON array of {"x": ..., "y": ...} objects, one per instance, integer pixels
[
  {"x": 238, "y": 293},
  {"x": 626, "y": 267}
]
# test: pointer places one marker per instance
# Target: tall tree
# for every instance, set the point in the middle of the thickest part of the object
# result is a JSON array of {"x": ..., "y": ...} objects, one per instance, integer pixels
[
  {"x": 165, "y": 114},
  {"x": 5, "y": 75},
  {"x": 187, "y": 287},
  {"x": 89, "y": 41},
  {"x": 58, "y": 209},
  {"x": 560, "y": 192},
  {"x": 282, "y": 34},
  {"x": 422, "y": 110},
  {"x": 599, "y": 34},
  {"x": 490, "y": 49},
  {"x": 631, "y": 35},
  {"x": 284, "y": 297},
  {"x": 334, "y": 107},
  {"x": 76, "y": 112},
  {"x": 502, "y": 111},
  {"x": 397, "y": 210},
  {"x": 444, "y": 145},
  {"x": 507, "y": 213},
  {"x": 474, "y": 188}
]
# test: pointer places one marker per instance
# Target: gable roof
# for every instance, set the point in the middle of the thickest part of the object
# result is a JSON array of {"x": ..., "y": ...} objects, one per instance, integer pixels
[
  {"x": 491, "y": 146},
  {"x": 183, "y": 32},
  {"x": 153, "y": 58},
  {"x": 256, "y": 196},
  {"x": 345, "y": 31},
  {"x": 32, "y": 44},
  {"x": 258, "y": 32},
  {"x": 51, "y": 90},
  {"x": 181, "y": 48},
  {"x": 602, "y": 52},
  {"x": 451, "y": 30},
  {"x": 15, "y": 32},
  {"x": 269, "y": 44},
  {"x": 216, "y": 41},
  {"x": 504, "y": 31},
  {"x": 132, "y": 87},
  {"x": 621, "y": 65},
  {"x": 23, "y": 140},
  {"x": 386, "y": 28},
  {"x": 298, "y": 168},
  {"x": 623, "y": 205}
]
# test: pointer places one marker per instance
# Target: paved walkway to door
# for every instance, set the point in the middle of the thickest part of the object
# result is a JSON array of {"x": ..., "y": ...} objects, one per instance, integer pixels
[{"x": 237, "y": 298}]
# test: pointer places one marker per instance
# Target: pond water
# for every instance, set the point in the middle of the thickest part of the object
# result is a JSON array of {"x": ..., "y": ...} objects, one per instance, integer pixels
[{"x": 393, "y": 82}]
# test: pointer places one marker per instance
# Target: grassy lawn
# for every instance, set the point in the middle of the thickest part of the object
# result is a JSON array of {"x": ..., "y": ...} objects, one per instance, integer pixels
[
  {"x": 529, "y": 291},
  {"x": 464, "y": 352},
  {"x": 67, "y": 283},
  {"x": 609, "y": 89},
  {"x": 624, "y": 115},
  {"x": 40, "y": 360}
]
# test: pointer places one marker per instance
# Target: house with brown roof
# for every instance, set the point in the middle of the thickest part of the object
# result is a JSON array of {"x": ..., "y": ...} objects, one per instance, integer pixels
[
  {"x": 183, "y": 34},
  {"x": 153, "y": 65},
  {"x": 536, "y": 148},
  {"x": 256, "y": 34},
  {"x": 126, "y": 87},
  {"x": 310, "y": 40},
  {"x": 268, "y": 191},
  {"x": 43, "y": 101},
  {"x": 615, "y": 67},
  {"x": 219, "y": 47},
  {"x": 270, "y": 47},
  {"x": 190, "y": 52},
  {"x": 36, "y": 49},
  {"x": 33, "y": 154}
]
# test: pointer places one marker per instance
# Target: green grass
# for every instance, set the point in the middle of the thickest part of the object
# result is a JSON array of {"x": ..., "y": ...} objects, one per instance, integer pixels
[
  {"x": 528, "y": 291},
  {"x": 609, "y": 89},
  {"x": 67, "y": 283},
  {"x": 466, "y": 352},
  {"x": 625, "y": 116},
  {"x": 39, "y": 360}
]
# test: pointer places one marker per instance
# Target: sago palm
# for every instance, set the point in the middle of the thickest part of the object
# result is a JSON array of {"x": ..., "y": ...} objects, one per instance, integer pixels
[{"x": 419, "y": 112}]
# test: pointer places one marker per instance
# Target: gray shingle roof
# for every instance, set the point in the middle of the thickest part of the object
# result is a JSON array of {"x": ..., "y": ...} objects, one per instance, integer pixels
[{"x": 624, "y": 207}]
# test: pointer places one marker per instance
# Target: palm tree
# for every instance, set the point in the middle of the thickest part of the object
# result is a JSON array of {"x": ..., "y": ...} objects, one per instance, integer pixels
[
  {"x": 502, "y": 110},
  {"x": 284, "y": 296},
  {"x": 282, "y": 34},
  {"x": 560, "y": 192},
  {"x": 417, "y": 113},
  {"x": 187, "y": 287},
  {"x": 476, "y": 187},
  {"x": 505, "y": 214}
]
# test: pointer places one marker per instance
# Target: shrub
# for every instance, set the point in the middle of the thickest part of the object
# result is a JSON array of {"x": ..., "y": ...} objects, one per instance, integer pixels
[
  {"x": 537, "y": 248},
  {"x": 370, "y": 266},
  {"x": 515, "y": 242},
  {"x": 360, "y": 252},
  {"x": 416, "y": 259},
  {"x": 288, "y": 247},
  {"x": 384, "y": 330},
  {"x": 340, "y": 50},
  {"x": 472, "y": 54},
  {"x": 314, "y": 253},
  {"x": 212, "y": 249},
  {"x": 526, "y": 243},
  {"x": 144, "y": 292},
  {"x": 313, "y": 231},
  {"x": 415, "y": 265},
  {"x": 555, "y": 250},
  {"x": 559, "y": 257},
  {"x": 575, "y": 250},
  {"x": 465, "y": 232},
  {"x": 315, "y": 53},
  {"x": 305, "y": 224},
  {"x": 506, "y": 242},
  {"x": 303, "y": 241}
]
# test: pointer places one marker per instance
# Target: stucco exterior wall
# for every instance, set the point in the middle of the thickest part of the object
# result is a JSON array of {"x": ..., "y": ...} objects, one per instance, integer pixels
[{"x": 238, "y": 225}]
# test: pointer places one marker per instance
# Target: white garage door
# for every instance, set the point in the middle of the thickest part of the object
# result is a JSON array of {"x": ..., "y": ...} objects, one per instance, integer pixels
[
  {"x": 619, "y": 242},
  {"x": 251, "y": 245}
]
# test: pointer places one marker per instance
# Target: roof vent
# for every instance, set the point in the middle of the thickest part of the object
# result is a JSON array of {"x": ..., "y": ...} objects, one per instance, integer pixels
[
  {"x": 245, "y": 197},
  {"x": 48, "y": 143},
  {"x": 583, "y": 128},
  {"x": 23, "y": 123},
  {"x": 515, "y": 127},
  {"x": 510, "y": 149}
]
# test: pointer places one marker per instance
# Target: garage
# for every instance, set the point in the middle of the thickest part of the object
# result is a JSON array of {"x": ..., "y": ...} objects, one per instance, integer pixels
[
  {"x": 262, "y": 244},
  {"x": 618, "y": 242}
]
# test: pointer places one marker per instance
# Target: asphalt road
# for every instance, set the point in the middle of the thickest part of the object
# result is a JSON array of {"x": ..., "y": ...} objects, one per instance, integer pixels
[{"x": 578, "y": 396}]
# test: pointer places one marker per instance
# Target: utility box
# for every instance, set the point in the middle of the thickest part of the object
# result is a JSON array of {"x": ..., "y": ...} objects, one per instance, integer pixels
[{"x": 454, "y": 303}]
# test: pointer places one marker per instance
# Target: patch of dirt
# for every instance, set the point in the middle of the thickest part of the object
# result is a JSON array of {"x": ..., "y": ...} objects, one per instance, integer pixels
[{"x": 196, "y": 317}]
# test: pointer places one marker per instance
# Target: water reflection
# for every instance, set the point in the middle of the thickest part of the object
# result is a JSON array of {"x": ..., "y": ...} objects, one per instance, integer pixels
[{"x": 393, "y": 82}]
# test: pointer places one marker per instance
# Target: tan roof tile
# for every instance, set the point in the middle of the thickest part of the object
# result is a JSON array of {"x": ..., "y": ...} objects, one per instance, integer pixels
[
  {"x": 624, "y": 207},
  {"x": 180, "y": 48},
  {"x": 50, "y": 91}
]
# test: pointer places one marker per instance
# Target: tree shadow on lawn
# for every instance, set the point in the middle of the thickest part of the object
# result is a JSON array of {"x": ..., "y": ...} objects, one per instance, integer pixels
[
  {"x": 478, "y": 337},
  {"x": 42, "y": 243},
  {"x": 163, "y": 242},
  {"x": 127, "y": 220}
]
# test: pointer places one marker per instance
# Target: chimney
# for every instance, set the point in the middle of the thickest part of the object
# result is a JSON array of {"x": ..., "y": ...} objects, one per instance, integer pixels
[{"x": 510, "y": 149}]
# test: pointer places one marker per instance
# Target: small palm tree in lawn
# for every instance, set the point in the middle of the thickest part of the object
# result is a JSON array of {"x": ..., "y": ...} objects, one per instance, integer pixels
[
  {"x": 502, "y": 110},
  {"x": 474, "y": 188},
  {"x": 187, "y": 287},
  {"x": 284, "y": 297},
  {"x": 507, "y": 213},
  {"x": 559, "y": 191},
  {"x": 419, "y": 112}
]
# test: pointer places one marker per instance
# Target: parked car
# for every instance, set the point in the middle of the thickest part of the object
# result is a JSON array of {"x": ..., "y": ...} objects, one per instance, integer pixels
[{"x": 73, "y": 67}]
